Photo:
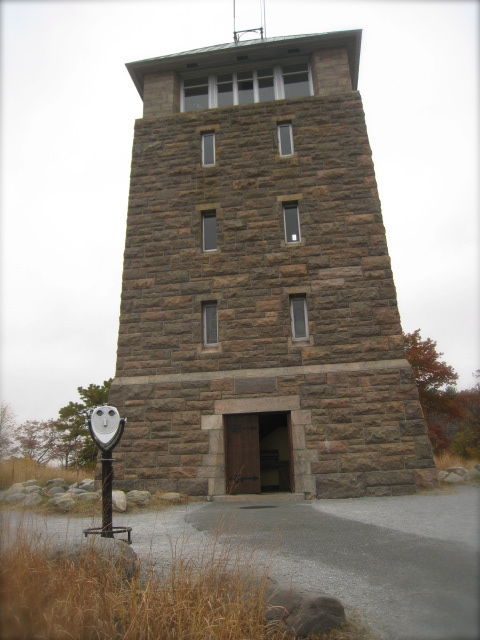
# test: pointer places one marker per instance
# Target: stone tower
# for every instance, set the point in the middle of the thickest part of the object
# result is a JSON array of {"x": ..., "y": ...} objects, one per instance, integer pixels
[{"x": 260, "y": 346}]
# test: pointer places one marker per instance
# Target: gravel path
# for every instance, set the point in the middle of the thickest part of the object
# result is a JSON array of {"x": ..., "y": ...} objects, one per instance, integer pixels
[{"x": 409, "y": 564}]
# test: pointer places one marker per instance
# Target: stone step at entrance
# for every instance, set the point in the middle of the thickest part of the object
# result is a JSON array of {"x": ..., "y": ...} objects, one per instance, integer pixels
[{"x": 260, "y": 497}]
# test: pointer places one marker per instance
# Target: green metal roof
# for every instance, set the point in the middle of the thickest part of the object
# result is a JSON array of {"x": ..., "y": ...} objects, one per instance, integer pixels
[{"x": 261, "y": 50}]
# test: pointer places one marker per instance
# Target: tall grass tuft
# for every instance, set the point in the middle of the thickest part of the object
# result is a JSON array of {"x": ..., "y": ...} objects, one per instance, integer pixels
[
  {"x": 60, "y": 599},
  {"x": 446, "y": 459},
  {"x": 20, "y": 470}
]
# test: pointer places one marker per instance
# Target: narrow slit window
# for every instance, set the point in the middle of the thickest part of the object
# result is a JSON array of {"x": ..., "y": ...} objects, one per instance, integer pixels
[
  {"x": 285, "y": 139},
  {"x": 298, "y": 311},
  {"x": 210, "y": 324},
  {"x": 209, "y": 230},
  {"x": 208, "y": 149},
  {"x": 292, "y": 223}
]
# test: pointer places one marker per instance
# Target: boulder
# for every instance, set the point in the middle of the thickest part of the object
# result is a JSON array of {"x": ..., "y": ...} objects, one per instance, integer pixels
[
  {"x": 62, "y": 502},
  {"x": 32, "y": 499},
  {"x": 96, "y": 551},
  {"x": 460, "y": 471},
  {"x": 139, "y": 498},
  {"x": 302, "y": 614},
  {"x": 473, "y": 474},
  {"x": 87, "y": 496},
  {"x": 15, "y": 498},
  {"x": 170, "y": 496},
  {"x": 17, "y": 487},
  {"x": 441, "y": 475},
  {"x": 54, "y": 482},
  {"x": 453, "y": 478},
  {"x": 33, "y": 488},
  {"x": 55, "y": 489},
  {"x": 119, "y": 501},
  {"x": 29, "y": 483}
]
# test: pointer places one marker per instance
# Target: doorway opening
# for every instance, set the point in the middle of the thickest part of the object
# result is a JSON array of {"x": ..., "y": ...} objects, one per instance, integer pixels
[{"x": 258, "y": 453}]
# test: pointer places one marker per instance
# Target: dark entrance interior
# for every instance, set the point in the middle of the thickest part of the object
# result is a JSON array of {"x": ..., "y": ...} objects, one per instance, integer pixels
[{"x": 258, "y": 453}]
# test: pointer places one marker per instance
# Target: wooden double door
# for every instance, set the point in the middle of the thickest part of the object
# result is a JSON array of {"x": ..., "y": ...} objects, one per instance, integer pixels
[{"x": 258, "y": 453}]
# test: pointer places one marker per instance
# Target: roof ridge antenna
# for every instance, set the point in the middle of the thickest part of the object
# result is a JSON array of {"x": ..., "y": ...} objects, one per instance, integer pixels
[{"x": 262, "y": 30}]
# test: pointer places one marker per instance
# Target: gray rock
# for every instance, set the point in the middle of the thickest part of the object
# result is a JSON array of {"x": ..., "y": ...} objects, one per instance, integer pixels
[
  {"x": 140, "y": 498},
  {"x": 30, "y": 483},
  {"x": 460, "y": 471},
  {"x": 54, "y": 482},
  {"x": 32, "y": 499},
  {"x": 99, "y": 552},
  {"x": 17, "y": 487},
  {"x": 62, "y": 502},
  {"x": 300, "y": 613},
  {"x": 453, "y": 478},
  {"x": 76, "y": 491},
  {"x": 119, "y": 501},
  {"x": 2, "y": 495},
  {"x": 477, "y": 467},
  {"x": 73, "y": 486},
  {"x": 170, "y": 496},
  {"x": 87, "y": 496},
  {"x": 473, "y": 474},
  {"x": 56, "y": 489},
  {"x": 441, "y": 475},
  {"x": 15, "y": 498},
  {"x": 33, "y": 488},
  {"x": 88, "y": 487}
]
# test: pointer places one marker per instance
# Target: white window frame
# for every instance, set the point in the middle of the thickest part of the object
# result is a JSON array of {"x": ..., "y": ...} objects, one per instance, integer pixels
[
  {"x": 209, "y": 214},
  {"x": 291, "y": 205},
  {"x": 285, "y": 125},
  {"x": 205, "y": 306},
  {"x": 295, "y": 337},
  {"x": 205, "y": 135},
  {"x": 278, "y": 88}
]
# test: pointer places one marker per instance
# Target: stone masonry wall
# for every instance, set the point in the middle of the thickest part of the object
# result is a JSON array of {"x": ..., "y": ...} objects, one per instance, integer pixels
[{"x": 358, "y": 428}]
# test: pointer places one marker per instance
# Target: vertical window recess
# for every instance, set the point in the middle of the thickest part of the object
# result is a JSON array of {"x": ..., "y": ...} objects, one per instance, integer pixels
[
  {"x": 285, "y": 139},
  {"x": 209, "y": 230},
  {"x": 292, "y": 223},
  {"x": 298, "y": 310},
  {"x": 210, "y": 324},
  {"x": 208, "y": 149}
]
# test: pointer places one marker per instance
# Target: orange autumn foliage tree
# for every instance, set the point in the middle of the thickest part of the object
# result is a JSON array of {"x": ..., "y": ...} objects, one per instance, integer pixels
[{"x": 435, "y": 382}]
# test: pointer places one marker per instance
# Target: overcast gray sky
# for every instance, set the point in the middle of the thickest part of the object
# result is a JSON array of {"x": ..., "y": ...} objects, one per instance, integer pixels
[{"x": 68, "y": 110}]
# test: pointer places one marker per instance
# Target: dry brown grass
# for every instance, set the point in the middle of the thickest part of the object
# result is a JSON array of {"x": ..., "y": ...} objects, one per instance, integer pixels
[
  {"x": 210, "y": 599},
  {"x": 446, "y": 459},
  {"x": 42, "y": 598},
  {"x": 21, "y": 470}
]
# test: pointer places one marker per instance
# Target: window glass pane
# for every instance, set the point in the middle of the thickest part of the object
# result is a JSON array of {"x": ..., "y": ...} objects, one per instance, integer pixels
[
  {"x": 209, "y": 231},
  {"x": 294, "y": 68},
  {"x": 195, "y": 82},
  {"x": 265, "y": 89},
  {"x": 285, "y": 139},
  {"x": 224, "y": 90},
  {"x": 208, "y": 149},
  {"x": 299, "y": 320},
  {"x": 292, "y": 224},
  {"x": 245, "y": 87},
  {"x": 295, "y": 80},
  {"x": 264, "y": 73},
  {"x": 196, "y": 98},
  {"x": 210, "y": 323},
  {"x": 296, "y": 85}
]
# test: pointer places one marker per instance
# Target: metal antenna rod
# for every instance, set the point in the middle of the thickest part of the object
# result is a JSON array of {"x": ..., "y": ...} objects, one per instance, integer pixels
[{"x": 234, "y": 29}]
